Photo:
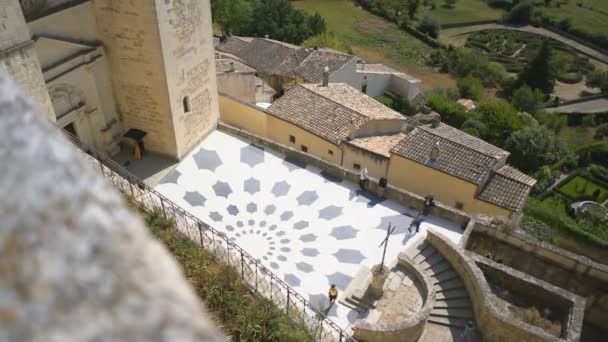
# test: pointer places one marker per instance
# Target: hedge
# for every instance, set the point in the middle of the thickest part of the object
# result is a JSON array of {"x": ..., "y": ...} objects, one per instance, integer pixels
[{"x": 570, "y": 77}]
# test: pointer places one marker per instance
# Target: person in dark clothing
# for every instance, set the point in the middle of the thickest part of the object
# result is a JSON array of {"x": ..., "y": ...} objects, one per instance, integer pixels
[
  {"x": 333, "y": 293},
  {"x": 429, "y": 202},
  {"x": 415, "y": 224},
  {"x": 382, "y": 187}
]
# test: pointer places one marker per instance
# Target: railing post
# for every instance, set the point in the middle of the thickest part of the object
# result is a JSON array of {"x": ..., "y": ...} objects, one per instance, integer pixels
[
  {"x": 256, "y": 276},
  {"x": 200, "y": 234},
  {"x": 242, "y": 265},
  {"x": 162, "y": 204},
  {"x": 288, "y": 298}
]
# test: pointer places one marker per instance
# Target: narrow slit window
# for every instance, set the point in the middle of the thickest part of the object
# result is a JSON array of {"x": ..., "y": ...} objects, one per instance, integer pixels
[{"x": 186, "y": 103}]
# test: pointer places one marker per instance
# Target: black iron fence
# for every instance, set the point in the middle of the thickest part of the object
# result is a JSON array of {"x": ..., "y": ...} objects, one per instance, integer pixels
[{"x": 255, "y": 275}]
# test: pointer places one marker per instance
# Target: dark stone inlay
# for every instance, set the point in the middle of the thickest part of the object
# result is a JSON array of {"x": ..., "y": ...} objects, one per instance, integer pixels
[
  {"x": 309, "y": 252},
  {"x": 222, "y": 189},
  {"x": 273, "y": 227},
  {"x": 194, "y": 198},
  {"x": 215, "y": 216},
  {"x": 285, "y": 249},
  {"x": 330, "y": 212},
  {"x": 274, "y": 265},
  {"x": 251, "y": 185},
  {"x": 172, "y": 177},
  {"x": 301, "y": 225},
  {"x": 293, "y": 163},
  {"x": 319, "y": 301},
  {"x": 292, "y": 280},
  {"x": 270, "y": 209},
  {"x": 207, "y": 160},
  {"x": 308, "y": 237},
  {"x": 230, "y": 228},
  {"x": 251, "y": 223},
  {"x": 286, "y": 215},
  {"x": 284, "y": 241},
  {"x": 340, "y": 279},
  {"x": 252, "y": 207},
  {"x": 402, "y": 222},
  {"x": 279, "y": 234},
  {"x": 349, "y": 256},
  {"x": 282, "y": 258},
  {"x": 344, "y": 232},
  {"x": 280, "y": 188},
  {"x": 240, "y": 224},
  {"x": 232, "y": 210},
  {"x": 252, "y": 155},
  {"x": 262, "y": 224},
  {"x": 307, "y": 197},
  {"x": 304, "y": 267},
  {"x": 330, "y": 178}
]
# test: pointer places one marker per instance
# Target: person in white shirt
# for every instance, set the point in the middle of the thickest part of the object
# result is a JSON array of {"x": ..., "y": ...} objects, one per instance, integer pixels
[{"x": 363, "y": 178}]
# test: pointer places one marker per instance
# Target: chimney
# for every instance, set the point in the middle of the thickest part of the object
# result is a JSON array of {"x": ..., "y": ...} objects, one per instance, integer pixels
[
  {"x": 351, "y": 129},
  {"x": 326, "y": 76},
  {"x": 231, "y": 67},
  {"x": 434, "y": 152}
]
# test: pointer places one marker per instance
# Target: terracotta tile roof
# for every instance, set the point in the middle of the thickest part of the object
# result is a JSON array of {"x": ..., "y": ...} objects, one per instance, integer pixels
[
  {"x": 232, "y": 45},
  {"x": 311, "y": 69},
  {"x": 316, "y": 114},
  {"x": 460, "y": 154},
  {"x": 507, "y": 188},
  {"x": 223, "y": 66},
  {"x": 355, "y": 100},
  {"x": 268, "y": 56},
  {"x": 379, "y": 144}
]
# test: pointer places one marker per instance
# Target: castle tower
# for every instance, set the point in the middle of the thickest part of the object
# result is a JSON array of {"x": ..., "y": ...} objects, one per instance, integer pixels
[
  {"x": 18, "y": 57},
  {"x": 163, "y": 70}
]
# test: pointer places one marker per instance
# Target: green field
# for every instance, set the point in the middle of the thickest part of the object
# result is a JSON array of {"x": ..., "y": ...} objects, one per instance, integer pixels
[
  {"x": 591, "y": 16},
  {"x": 580, "y": 186},
  {"x": 377, "y": 40},
  {"x": 463, "y": 11}
]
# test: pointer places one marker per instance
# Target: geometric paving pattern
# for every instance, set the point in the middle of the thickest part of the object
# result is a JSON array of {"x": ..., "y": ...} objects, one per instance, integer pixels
[{"x": 309, "y": 228}]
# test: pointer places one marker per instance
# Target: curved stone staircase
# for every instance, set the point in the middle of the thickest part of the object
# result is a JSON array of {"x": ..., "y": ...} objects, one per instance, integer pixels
[{"x": 453, "y": 308}]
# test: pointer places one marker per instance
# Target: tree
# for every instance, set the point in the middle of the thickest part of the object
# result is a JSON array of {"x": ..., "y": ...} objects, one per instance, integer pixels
[
  {"x": 475, "y": 127},
  {"x": 450, "y": 3},
  {"x": 501, "y": 119},
  {"x": 521, "y": 13},
  {"x": 470, "y": 88},
  {"x": 451, "y": 112},
  {"x": 494, "y": 74},
  {"x": 540, "y": 72},
  {"x": 429, "y": 26},
  {"x": 602, "y": 131},
  {"x": 412, "y": 8},
  {"x": 598, "y": 79},
  {"x": 547, "y": 3},
  {"x": 317, "y": 24},
  {"x": 232, "y": 16},
  {"x": 533, "y": 147},
  {"x": 527, "y": 100}
]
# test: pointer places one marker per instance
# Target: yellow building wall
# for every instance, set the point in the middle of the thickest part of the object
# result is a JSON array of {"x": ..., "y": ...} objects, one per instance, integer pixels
[
  {"x": 241, "y": 115},
  {"x": 411, "y": 176},
  {"x": 377, "y": 166},
  {"x": 279, "y": 131}
]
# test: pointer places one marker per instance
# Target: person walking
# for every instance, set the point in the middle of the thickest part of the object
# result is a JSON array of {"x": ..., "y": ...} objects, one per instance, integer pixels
[
  {"x": 333, "y": 294},
  {"x": 382, "y": 187},
  {"x": 467, "y": 333},
  {"x": 429, "y": 202},
  {"x": 415, "y": 224},
  {"x": 363, "y": 176}
]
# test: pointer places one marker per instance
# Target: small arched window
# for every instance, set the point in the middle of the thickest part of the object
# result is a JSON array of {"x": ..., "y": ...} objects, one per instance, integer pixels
[{"x": 186, "y": 103}]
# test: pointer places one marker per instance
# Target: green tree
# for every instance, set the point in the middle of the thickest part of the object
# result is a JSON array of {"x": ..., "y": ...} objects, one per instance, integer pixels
[
  {"x": 495, "y": 73},
  {"x": 412, "y": 8},
  {"x": 552, "y": 121},
  {"x": 462, "y": 62},
  {"x": 326, "y": 40},
  {"x": 527, "y": 100},
  {"x": 450, "y": 3},
  {"x": 232, "y": 16},
  {"x": 501, "y": 119},
  {"x": 317, "y": 24},
  {"x": 470, "y": 88},
  {"x": 429, "y": 26},
  {"x": 451, "y": 112},
  {"x": 521, "y": 13},
  {"x": 602, "y": 131},
  {"x": 598, "y": 79},
  {"x": 475, "y": 127},
  {"x": 540, "y": 72},
  {"x": 533, "y": 147}
]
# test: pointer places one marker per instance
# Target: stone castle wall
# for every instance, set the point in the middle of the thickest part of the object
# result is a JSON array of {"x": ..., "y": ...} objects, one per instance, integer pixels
[{"x": 18, "y": 57}]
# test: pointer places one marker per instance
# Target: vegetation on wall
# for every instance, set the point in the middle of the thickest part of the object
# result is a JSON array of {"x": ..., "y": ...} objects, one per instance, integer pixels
[{"x": 239, "y": 312}]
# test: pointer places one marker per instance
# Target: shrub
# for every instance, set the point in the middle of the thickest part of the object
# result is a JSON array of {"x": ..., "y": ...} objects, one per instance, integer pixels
[
  {"x": 429, "y": 26},
  {"x": 451, "y": 113},
  {"x": 570, "y": 77},
  {"x": 470, "y": 88},
  {"x": 527, "y": 100},
  {"x": 538, "y": 229},
  {"x": 521, "y": 13},
  {"x": 599, "y": 172},
  {"x": 602, "y": 131}
]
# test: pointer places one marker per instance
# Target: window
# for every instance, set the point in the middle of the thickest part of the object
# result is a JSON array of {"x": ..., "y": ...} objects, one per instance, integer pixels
[
  {"x": 331, "y": 153},
  {"x": 356, "y": 166},
  {"x": 459, "y": 205},
  {"x": 292, "y": 139},
  {"x": 186, "y": 103},
  {"x": 364, "y": 90},
  {"x": 304, "y": 148}
]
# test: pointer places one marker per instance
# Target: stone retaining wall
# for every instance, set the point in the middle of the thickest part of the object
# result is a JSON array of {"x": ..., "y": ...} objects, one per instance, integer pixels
[
  {"x": 494, "y": 324},
  {"x": 401, "y": 196},
  {"x": 408, "y": 330}
]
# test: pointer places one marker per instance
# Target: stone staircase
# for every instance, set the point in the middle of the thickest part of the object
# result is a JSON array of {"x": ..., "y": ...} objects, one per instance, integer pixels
[{"x": 453, "y": 308}]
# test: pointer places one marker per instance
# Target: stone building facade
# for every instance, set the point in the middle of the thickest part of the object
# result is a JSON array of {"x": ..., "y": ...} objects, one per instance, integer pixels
[{"x": 110, "y": 66}]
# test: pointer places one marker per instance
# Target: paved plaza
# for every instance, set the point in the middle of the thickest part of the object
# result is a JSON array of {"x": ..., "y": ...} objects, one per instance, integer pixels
[{"x": 309, "y": 228}]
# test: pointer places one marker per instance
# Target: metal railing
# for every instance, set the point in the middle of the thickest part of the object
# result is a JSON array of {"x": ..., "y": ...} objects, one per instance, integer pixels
[{"x": 256, "y": 276}]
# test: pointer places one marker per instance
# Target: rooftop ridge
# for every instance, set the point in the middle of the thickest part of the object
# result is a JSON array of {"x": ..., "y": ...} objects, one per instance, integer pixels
[
  {"x": 436, "y": 133},
  {"x": 361, "y": 115}
]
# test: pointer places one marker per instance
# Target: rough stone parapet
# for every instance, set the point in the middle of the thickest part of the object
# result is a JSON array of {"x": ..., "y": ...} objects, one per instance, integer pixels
[
  {"x": 410, "y": 329},
  {"x": 75, "y": 262}
]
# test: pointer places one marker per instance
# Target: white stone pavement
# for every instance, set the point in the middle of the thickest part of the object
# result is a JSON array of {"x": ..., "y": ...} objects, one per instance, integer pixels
[{"x": 309, "y": 228}]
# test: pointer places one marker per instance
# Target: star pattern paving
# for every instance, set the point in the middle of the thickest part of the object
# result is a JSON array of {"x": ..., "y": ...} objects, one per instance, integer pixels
[{"x": 308, "y": 227}]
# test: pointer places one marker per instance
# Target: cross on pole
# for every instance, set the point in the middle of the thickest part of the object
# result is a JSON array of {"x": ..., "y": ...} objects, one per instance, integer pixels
[{"x": 384, "y": 242}]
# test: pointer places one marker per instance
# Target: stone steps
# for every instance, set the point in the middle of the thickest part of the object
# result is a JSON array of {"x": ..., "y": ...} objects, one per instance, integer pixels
[
  {"x": 449, "y": 285},
  {"x": 457, "y": 303},
  {"x": 448, "y": 322},
  {"x": 452, "y": 294},
  {"x": 444, "y": 276},
  {"x": 456, "y": 313}
]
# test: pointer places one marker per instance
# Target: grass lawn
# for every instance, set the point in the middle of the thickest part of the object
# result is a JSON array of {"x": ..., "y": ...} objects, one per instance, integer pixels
[
  {"x": 592, "y": 16},
  {"x": 377, "y": 40},
  {"x": 463, "y": 11},
  {"x": 579, "y": 186}
]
